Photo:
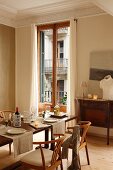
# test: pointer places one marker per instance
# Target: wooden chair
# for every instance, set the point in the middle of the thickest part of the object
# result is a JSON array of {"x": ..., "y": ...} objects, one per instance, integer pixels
[
  {"x": 44, "y": 159},
  {"x": 6, "y": 115},
  {"x": 84, "y": 126}
]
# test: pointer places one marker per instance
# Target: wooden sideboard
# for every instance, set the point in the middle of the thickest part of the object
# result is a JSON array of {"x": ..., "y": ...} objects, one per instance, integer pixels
[{"x": 99, "y": 112}]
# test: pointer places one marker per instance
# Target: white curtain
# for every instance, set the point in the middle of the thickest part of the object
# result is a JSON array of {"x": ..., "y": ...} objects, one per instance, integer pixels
[
  {"x": 72, "y": 69},
  {"x": 34, "y": 83}
]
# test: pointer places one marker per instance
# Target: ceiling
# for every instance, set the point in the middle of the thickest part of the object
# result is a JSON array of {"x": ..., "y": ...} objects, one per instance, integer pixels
[
  {"x": 15, "y": 11},
  {"x": 24, "y": 8}
]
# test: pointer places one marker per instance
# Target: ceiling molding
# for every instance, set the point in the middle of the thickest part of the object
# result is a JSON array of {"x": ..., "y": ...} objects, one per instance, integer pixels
[
  {"x": 105, "y": 5},
  {"x": 55, "y": 17},
  {"x": 59, "y": 11},
  {"x": 54, "y": 7},
  {"x": 7, "y": 21},
  {"x": 8, "y": 10}
]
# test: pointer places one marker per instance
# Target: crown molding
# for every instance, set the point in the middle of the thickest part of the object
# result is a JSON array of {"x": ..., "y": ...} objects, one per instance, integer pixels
[
  {"x": 7, "y": 16},
  {"x": 52, "y": 14},
  {"x": 7, "y": 21},
  {"x": 8, "y": 9},
  {"x": 55, "y": 17},
  {"x": 105, "y": 5},
  {"x": 54, "y": 8}
]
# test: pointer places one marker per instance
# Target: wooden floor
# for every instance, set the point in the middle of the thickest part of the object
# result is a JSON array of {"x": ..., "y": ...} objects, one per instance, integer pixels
[{"x": 101, "y": 155}]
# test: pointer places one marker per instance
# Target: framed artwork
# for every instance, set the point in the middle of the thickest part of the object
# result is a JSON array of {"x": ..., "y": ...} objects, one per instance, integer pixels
[{"x": 101, "y": 64}]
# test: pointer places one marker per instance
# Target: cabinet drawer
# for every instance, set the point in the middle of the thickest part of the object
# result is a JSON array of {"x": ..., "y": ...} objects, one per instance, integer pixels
[{"x": 97, "y": 117}]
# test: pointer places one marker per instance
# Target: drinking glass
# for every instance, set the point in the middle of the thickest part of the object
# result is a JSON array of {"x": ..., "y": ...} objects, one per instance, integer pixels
[
  {"x": 33, "y": 113},
  {"x": 27, "y": 117},
  {"x": 1, "y": 116},
  {"x": 48, "y": 109},
  {"x": 7, "y": 118}
]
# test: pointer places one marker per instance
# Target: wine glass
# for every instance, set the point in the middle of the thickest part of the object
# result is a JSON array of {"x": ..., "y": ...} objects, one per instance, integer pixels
[
  {"x": 33, "y": 113},
  {"x": 83, "y": 86},
  {"x": 48, "y": 109},
  {"x": 7, "y": 118},
  {"x": 1, "y": 116},
  {"x": 6, "y": 122},
  {"x": 27, "y": 117}
]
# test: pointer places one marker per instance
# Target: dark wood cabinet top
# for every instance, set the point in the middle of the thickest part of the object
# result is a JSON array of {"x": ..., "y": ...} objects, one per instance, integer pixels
[{"x": 93, "y": 100}]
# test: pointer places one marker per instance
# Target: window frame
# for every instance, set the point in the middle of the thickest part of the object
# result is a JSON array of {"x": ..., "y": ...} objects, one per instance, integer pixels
[{"x": 54, "y": 27}]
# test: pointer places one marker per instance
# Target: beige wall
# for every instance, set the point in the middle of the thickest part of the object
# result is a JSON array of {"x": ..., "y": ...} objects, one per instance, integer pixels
[
  {"x": 93, "y": 34},
  {"x": 7, "y": 67},
  {"x": 23, "y": 68}
]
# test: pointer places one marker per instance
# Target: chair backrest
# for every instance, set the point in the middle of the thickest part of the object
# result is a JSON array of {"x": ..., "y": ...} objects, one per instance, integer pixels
[
  {"x": 84, "y": 126},
  {"x": 6, "y": 114},
  {"x": 57, "y": 150},
  {"x": 56, "y": 155}
]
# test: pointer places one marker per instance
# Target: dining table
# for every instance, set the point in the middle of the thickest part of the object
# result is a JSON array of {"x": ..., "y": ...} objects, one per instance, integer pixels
[{"x": 35, "y": 130}]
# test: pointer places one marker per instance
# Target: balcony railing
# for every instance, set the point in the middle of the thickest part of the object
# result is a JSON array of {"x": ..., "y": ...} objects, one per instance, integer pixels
[
  {"x": 48, "y": 96},
  {"x": 62, "y": 65}
]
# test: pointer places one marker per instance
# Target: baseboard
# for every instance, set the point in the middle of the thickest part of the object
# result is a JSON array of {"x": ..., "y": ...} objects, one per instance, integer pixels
[{"x": 99, "y": 135}]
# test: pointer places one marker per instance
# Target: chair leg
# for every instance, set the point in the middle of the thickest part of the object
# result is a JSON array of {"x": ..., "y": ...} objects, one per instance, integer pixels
[
  {"x": 67, "y": 154},
  {"x": 87, "y": 154},
  {"x": 61, "y": 165},
  {"x": 79, "y": 161},
  {"x": 9, "y": 148}
]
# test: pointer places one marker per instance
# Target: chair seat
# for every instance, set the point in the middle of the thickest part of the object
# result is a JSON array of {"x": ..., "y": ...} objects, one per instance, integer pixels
[{"x": 34, "y": 157}]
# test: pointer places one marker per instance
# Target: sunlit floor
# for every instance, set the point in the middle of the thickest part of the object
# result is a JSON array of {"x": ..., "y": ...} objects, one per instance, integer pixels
[{"x": 101, "y": 155}]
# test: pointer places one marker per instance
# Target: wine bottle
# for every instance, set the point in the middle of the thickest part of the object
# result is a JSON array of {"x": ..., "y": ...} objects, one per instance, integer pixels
[{"x": 17, "y": 118}]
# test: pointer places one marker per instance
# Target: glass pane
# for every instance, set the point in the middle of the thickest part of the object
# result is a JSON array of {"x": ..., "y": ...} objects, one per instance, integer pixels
[
  {"x": 46, "y": 65},
  {"x": 62, "y": 64}
]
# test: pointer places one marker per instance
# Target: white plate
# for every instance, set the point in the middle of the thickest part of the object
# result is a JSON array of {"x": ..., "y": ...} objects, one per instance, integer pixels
[
  {"x": 16, "y": 131},
  {"x": 50, "y": 120}
]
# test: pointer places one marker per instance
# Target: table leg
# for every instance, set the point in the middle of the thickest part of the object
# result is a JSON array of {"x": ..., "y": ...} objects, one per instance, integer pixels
[
  {"x": 107, "y": 135},
  {"x": 52, "y": 138},
  {"x": 46, "y": 137}
]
